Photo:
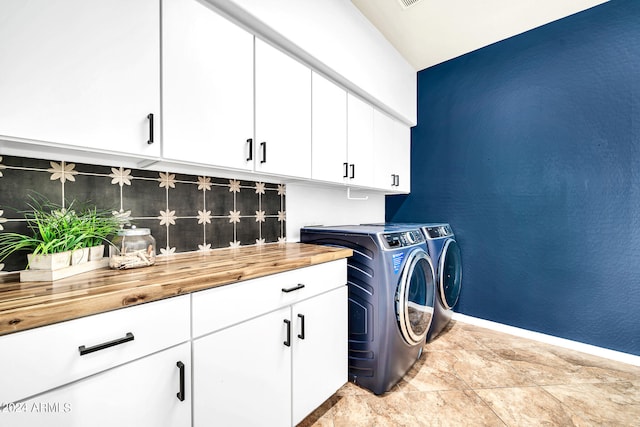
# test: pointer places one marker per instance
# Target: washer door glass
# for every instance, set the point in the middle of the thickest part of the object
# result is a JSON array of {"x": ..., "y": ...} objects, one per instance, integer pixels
[
  {"x": 450, "y": 274},
  {"x": 415, "y": 297}
]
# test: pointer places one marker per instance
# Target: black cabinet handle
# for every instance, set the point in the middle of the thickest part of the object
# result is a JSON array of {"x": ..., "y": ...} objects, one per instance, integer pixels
[
  {"x": 287, "y": 342},
  {"x": 263, "y": 145},
  {"x": 250, "y": 142},
  {"x": 180, "y": 394},
  {"x": 346, "y": 169},
  {"x": 86, "y": 350},
  {"x": 393, "y": 180},
  {"x": 301, "y": 334},
  {"x": 397, "y": 180},
  {"x": 150, "y": 117},
  {"x": 295, "y": 288},
  {"x": 353, "y": 171}
]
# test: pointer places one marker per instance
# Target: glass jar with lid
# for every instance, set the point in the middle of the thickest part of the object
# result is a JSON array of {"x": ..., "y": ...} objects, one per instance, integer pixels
[{"x": 132, "y": 248}]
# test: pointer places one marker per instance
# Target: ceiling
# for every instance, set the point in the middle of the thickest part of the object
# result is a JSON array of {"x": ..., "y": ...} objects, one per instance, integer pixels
[{"x": 433, "y": 31}]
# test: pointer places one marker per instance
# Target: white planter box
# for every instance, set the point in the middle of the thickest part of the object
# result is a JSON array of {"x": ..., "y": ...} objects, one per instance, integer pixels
[{"x": 49, "y": 261}]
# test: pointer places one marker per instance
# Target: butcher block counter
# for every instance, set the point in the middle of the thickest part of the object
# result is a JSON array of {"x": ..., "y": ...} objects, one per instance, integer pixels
[{"x": 25, "y": 305}]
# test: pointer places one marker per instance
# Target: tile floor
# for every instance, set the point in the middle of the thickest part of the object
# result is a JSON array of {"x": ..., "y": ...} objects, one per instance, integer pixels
[{"x": 472, "y": 376}]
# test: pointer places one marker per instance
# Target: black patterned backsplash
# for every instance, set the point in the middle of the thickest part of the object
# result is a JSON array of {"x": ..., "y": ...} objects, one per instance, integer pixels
[{"x": 184, "y": 212}]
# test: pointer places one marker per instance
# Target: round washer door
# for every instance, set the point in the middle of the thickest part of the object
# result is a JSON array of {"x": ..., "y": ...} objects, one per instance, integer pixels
[
  {"x": 450, "y": 274},
  {"x": 415, "y": 297}
]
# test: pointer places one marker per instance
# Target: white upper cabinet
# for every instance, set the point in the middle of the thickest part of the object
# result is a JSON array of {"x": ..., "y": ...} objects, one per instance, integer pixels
[
  {"x": 392, "y": 151},
  {"x": 342, "y": 135},
  {"x": 401, "y": 146},
  {"x": 283, "y": 113},
  {"x": 345, "y": 45},
  {"x": 360, "y": 142},
  {"x": 329, "y": 131},
  {"x": 207, "y": 83},
  {"x": 82, "y": 73}
]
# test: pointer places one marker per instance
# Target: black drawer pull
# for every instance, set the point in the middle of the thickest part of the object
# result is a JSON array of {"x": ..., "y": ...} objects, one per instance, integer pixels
[
  {"x": 301, "y": 334},
  {"x": 287, "y": 342},
  {"x": 264, "y": 152},
  {"x": 346, "y": 170},
  {"x": 180, "y": 394},
  {"x": 353, "y": 170},
  {"x": 295, "y": 288},
  {"x": 86, "y": 350},
  {"x": 250, "y": 142},
  {"x": 150, "y": 117}
]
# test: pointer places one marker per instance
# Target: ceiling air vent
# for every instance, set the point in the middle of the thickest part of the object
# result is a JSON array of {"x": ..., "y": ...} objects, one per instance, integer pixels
[{"x": 407, "y": 3}]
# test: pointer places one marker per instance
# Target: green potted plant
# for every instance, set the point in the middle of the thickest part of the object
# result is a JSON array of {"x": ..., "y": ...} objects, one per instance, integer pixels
[
  {"x": 98, "y": 225},
  {"x": 50, "y": 244},
  {"x": 60, "y": 236}
]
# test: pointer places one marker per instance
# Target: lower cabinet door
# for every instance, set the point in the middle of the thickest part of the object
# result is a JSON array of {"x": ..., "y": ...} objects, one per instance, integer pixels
[
  {"x": 242, "y": 374},
  {"x": 152, "y": 391},
  {"x": 319, "y": 350}
]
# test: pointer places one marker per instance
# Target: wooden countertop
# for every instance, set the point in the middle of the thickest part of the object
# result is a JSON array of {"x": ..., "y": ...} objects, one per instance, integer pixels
[{"x": 30, "y": 304}]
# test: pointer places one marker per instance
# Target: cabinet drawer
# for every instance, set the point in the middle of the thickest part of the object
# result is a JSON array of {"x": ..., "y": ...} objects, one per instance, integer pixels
[
  {"x": 224, "y": 306},
  {"x": 39, "y": 359}
]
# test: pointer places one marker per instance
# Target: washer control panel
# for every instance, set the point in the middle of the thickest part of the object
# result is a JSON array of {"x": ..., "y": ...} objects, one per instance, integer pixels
[
  {"x": 437, "y": 231},
  {"x": 402, "y": 239}
]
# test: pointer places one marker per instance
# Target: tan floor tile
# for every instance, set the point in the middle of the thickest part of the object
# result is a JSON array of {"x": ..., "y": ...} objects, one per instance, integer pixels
[
  {"x": 455, "y": 337},
  {"x": 543, "y": 367},
  {"x": 601, "y": 404},
  {"x": 323, "y": 416},
  {"x": 526, "y": 406},
  {"x": 447, "y": 408},
  {"x": 493, "y": 339},
  {"x": 595, "y": 367},
  {"x": 432, "y": 372},
  {"x": 350, "y": 389},
  {"x": 486, "y": 369},
  {"x": 390, "y": 409},
  {"x": 451, "y": 408},
  {"x": 516, "y": 382}
]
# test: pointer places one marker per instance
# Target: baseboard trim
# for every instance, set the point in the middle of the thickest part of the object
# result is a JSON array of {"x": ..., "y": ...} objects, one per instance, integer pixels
[{"x": 550, "y": 339}]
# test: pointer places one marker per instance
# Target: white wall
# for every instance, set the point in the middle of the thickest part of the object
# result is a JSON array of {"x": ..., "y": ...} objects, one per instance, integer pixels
[
  {"x": 313, "y": 205},
  {"x": 334, "y": 37}
]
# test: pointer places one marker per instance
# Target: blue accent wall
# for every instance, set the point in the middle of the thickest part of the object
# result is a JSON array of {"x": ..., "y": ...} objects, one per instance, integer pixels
[{"x": 530, "y": 148}]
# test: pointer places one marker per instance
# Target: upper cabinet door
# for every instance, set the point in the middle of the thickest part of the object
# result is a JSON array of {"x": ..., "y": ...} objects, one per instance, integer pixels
[
  {"x": 207, "y": 86},
  {"x": 402, "y": 156},
  {"x": 329, "y": 131},
  {"x": 360, "y": 142},
  {"x": 283, "y": 113},
  {"x": 392, "y": 152},
  {"x": 83, "y": 73}
]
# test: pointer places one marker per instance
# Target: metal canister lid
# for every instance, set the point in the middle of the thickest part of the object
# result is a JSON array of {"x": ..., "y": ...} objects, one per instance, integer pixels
[{"x": 133, "y": 231}]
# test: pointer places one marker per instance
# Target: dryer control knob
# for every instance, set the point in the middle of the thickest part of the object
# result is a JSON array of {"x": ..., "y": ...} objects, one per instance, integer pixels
[{"x": 410, "y": 238}]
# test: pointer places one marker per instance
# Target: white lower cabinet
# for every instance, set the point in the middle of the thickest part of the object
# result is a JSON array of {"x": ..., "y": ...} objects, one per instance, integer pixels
[
  {"x": 261, "y": 352},
  {"x": 275, "y": 368},
  {"x": 152, "y": 391},
  {"x": 242, "y": 374},
  {"x": 319, "y": 358}
]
